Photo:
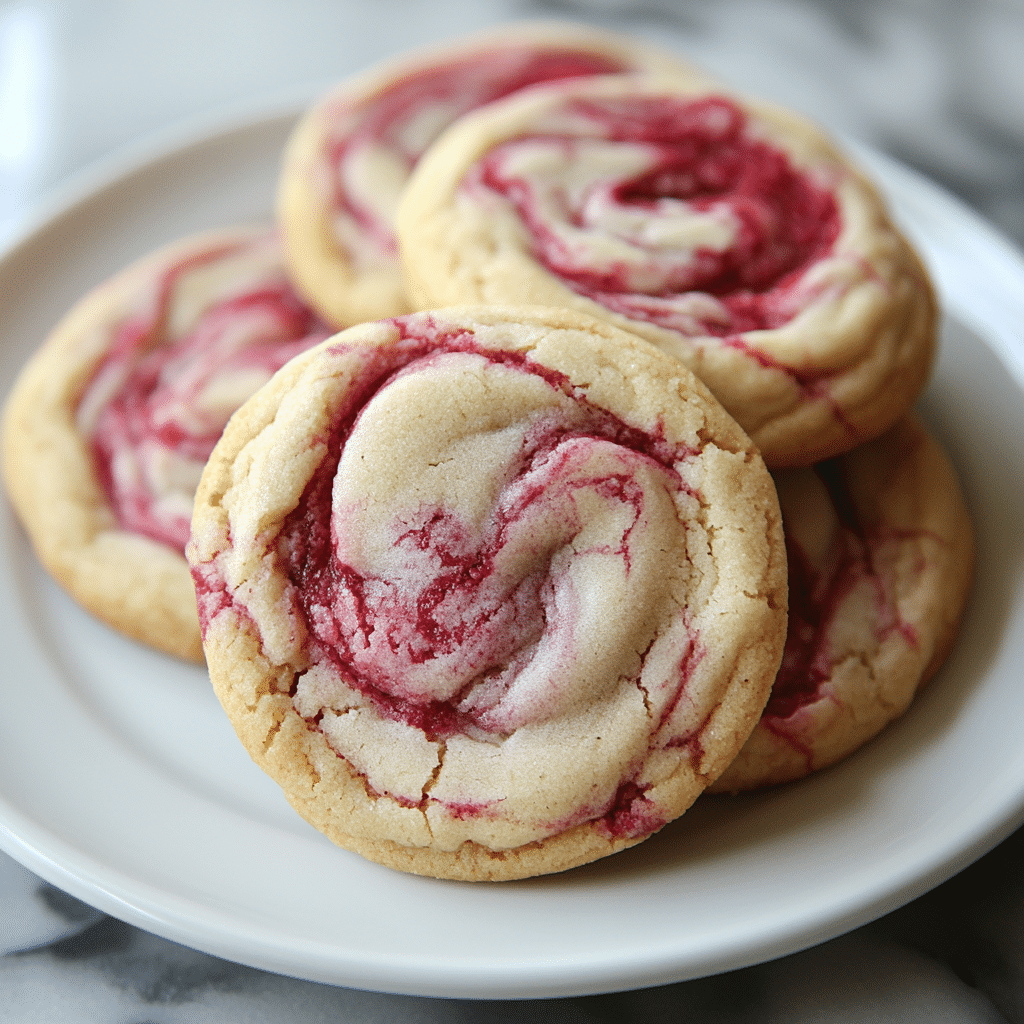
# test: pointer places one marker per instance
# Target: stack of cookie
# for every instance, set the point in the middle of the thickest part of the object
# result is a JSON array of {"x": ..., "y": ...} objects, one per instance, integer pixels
[{"x": 494, "y": 581}]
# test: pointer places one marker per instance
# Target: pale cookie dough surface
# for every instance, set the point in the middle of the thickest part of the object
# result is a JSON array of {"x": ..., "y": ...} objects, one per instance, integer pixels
[
  {"x": 880, "y": 553},
  {"x": 730, "y": 233},
  {"x": 109, "y": 425},
  {"x": 489, "y": 592},
  {"x": 350, "y": 156}
]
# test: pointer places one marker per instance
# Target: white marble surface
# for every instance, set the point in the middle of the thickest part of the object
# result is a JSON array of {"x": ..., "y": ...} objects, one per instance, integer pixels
[
  {"x": 935, "y": 82},
  {"x": 938, "y": 84}
]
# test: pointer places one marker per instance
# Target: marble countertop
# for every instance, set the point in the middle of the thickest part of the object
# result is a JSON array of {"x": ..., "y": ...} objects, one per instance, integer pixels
[{"x": 936, "y": 84}]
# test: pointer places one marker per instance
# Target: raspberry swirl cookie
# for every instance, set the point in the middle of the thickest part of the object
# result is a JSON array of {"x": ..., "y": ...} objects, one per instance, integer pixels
[
  {"x": 110, "y": 424},
  {"x": 351, "y": 154},
  {"x": 489, "y": 592},
  {"x": 732, "y": 234},
  {"x": 880, "y": 553}
]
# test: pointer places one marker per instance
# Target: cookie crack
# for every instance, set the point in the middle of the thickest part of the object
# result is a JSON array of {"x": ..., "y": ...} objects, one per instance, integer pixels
[
  {"x": 271, "y": 735},
  {"x": 425, "y": 799}
]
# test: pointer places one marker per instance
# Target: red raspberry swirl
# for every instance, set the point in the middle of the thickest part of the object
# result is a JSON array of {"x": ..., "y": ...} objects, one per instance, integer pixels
[
  {"x": 404, "y": 119},
  {"x": 453, "y": 608},
  {"x": 818, "y": 599},
  {"x": 699, "y": 169},
  {"x": 158, "y": 401}
]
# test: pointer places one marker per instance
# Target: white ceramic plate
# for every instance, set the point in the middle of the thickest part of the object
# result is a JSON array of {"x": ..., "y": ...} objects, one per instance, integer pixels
[{"x": 122, "y": 782}]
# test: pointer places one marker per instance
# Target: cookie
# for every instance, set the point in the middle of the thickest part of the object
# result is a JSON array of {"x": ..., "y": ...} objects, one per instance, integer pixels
[
  {"x": 489, "y": 592},
  {"x": 731, "y": 233},
  {"x": 110, "y": 424},
  {"x": 880, "y": 554},
  {"x": 349, "y": 157}
]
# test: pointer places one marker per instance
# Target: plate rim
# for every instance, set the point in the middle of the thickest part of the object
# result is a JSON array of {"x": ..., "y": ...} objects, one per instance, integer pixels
[{"x": 163, "y": 143}]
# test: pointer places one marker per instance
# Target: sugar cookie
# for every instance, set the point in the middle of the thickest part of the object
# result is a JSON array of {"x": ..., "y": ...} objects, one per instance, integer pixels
[
  {"x": 730, "y": 233},
  {"x": 880, "y": 553},
  {"x": 110, "y": 424},
  {"x": 489, "y": 592}
]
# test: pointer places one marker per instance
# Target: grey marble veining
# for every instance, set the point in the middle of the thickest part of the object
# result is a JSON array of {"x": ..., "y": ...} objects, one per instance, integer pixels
[
  {"x": 938, "y": 84},
  {"x": 956, "y": 954}
]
